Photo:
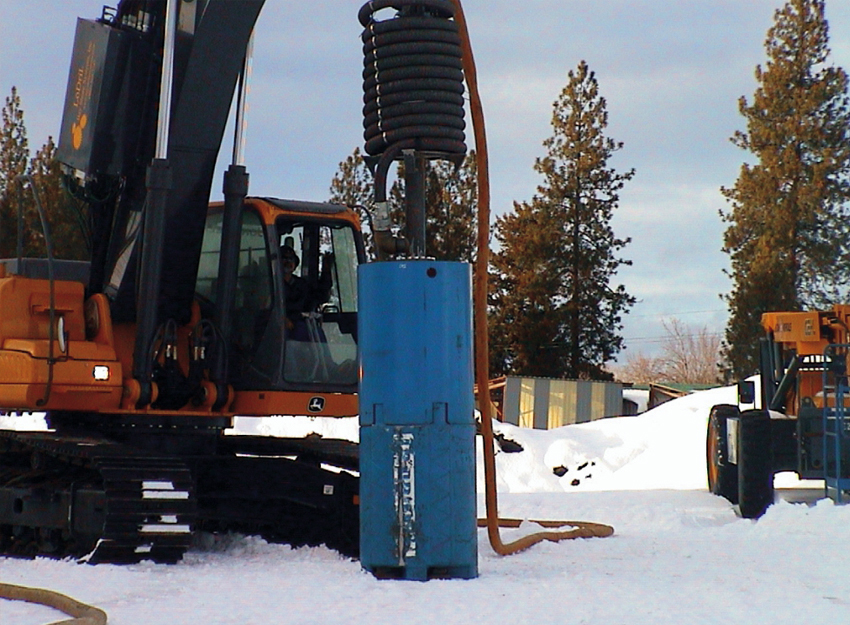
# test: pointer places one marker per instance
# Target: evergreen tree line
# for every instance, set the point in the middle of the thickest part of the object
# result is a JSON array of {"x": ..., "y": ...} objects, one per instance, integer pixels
[{"x": 788, "y": 235}]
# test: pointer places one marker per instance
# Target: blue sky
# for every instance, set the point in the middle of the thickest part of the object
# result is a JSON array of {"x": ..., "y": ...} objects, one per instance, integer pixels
[{"x": 671, "y": 71}]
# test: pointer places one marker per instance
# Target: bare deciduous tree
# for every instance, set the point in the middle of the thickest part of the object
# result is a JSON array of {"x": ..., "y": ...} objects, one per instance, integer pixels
[
  {"x": 687, "y": 357},
  {"x": 640, "y": 369},
  {"x": 690, "y": 357}
]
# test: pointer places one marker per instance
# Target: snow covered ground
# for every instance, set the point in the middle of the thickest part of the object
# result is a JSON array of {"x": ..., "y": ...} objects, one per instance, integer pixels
[{"x": 679, "y": 555}]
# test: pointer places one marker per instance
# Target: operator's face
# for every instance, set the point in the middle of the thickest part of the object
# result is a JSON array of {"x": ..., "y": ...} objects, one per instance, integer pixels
[{"x": 288, "y": 265}]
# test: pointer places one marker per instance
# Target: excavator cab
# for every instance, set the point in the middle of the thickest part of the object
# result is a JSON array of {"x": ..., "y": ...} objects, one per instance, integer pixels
[
  {"x": 296, "y": 331},
  {"x": 321, "y": 321}
]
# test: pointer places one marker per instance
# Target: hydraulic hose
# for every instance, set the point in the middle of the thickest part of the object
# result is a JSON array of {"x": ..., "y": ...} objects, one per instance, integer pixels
[
  {"x": 81, "y": 613},
  {"x": 412, "y": 83},
  {"x": 48, "y": 245},
  {"x": 580, "y": 529},
  {"x": 412, "y": 78}
]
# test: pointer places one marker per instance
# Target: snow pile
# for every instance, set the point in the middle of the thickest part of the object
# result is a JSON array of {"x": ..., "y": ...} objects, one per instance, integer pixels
[
  {"x": 347, "y": 428},
  {"x": 661, "y": 449},
  {"x": 25, "y": 421}
]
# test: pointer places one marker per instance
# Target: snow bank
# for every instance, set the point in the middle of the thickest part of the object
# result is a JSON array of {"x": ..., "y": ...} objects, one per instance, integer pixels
[
  {"x": 346, "y": 428},
  {"x": 25, "y": 421},
  {"x": 660, "y": 449}
]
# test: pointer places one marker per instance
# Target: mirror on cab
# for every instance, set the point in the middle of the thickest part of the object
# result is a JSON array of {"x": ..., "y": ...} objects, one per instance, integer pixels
[{"x": 746, "y": 392}]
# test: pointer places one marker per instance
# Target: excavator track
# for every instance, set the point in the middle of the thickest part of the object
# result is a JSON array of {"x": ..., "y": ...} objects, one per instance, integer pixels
[
  {"x": 90, "y": 497},
  {"x": 150, "y": 510},
  {"x": 93, "y": 499}
]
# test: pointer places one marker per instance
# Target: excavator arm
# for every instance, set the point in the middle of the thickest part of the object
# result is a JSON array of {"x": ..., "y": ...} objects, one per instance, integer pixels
[{"x": 151, "y": 227}]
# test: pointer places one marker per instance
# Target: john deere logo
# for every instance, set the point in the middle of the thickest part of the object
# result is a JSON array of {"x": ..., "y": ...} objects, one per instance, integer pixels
[{"x": 317, "y": 404}]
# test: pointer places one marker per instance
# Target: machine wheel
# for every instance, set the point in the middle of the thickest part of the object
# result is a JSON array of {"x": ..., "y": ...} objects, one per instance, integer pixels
[
  {"x": 755, "y": 463},
  {"x": 722, "y": 476}
]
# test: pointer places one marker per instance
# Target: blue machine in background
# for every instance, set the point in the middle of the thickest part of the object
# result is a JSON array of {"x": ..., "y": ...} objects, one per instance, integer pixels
[{"x": 417, "y": 429}]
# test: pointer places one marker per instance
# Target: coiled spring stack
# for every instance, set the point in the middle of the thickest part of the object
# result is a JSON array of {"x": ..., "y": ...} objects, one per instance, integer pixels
[{"x": 413, "y": 102}]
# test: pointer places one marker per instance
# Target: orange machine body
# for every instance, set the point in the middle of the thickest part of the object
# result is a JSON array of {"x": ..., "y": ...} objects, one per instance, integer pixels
[
  {"x": 90, "y": 367},
  {"x": 808, "y": 334}
]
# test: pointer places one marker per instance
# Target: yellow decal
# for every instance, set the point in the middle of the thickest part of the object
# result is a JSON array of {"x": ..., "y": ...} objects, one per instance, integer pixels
[
  {"x": 82, "y": 95},
  {"x": 77, "y": 131}
]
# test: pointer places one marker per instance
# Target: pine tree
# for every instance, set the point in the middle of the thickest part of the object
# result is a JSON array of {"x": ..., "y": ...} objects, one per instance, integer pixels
[
  {"x": 451, "y": 196},
  {"x": 64, "y": 213},
  {"x": 14, "y": 157},
  {"x": 526, "y": 329},
  {"x": 352, "y": 184},
  {"x": 452, "y": 201},
  {"x": 556, "y": 312},
  {"x": 788, "y": 236}
]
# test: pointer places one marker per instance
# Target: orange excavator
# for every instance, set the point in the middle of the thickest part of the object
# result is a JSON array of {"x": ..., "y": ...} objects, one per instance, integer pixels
[{"x": 186, "y": 314}]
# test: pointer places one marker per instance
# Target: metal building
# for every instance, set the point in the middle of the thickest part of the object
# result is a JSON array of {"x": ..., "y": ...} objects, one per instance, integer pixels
[{"x": 544, "y": 403}]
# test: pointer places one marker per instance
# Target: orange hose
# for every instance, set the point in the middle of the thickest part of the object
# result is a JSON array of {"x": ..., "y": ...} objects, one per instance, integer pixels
[
  {"x": 82, "y": 614},
  {"x": 582, "y": 529}
]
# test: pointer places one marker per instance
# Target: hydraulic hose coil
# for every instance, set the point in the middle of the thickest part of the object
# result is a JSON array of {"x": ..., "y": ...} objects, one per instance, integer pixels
[{"x": 412, "y": 79}]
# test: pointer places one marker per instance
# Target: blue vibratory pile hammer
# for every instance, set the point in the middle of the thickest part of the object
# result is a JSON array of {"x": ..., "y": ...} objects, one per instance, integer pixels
[
  {"x": 417, "y": 432},
  {"x": 417, "y": 429}
]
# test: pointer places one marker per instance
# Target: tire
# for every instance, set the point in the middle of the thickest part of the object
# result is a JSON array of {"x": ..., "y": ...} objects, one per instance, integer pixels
[
  {"x": 755, "y": 463},
  {"x": 722, "y": 476}
]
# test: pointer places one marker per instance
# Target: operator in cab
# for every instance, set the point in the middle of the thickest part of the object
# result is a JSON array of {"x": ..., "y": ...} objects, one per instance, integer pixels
[{"x": 301, "y": 297}]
